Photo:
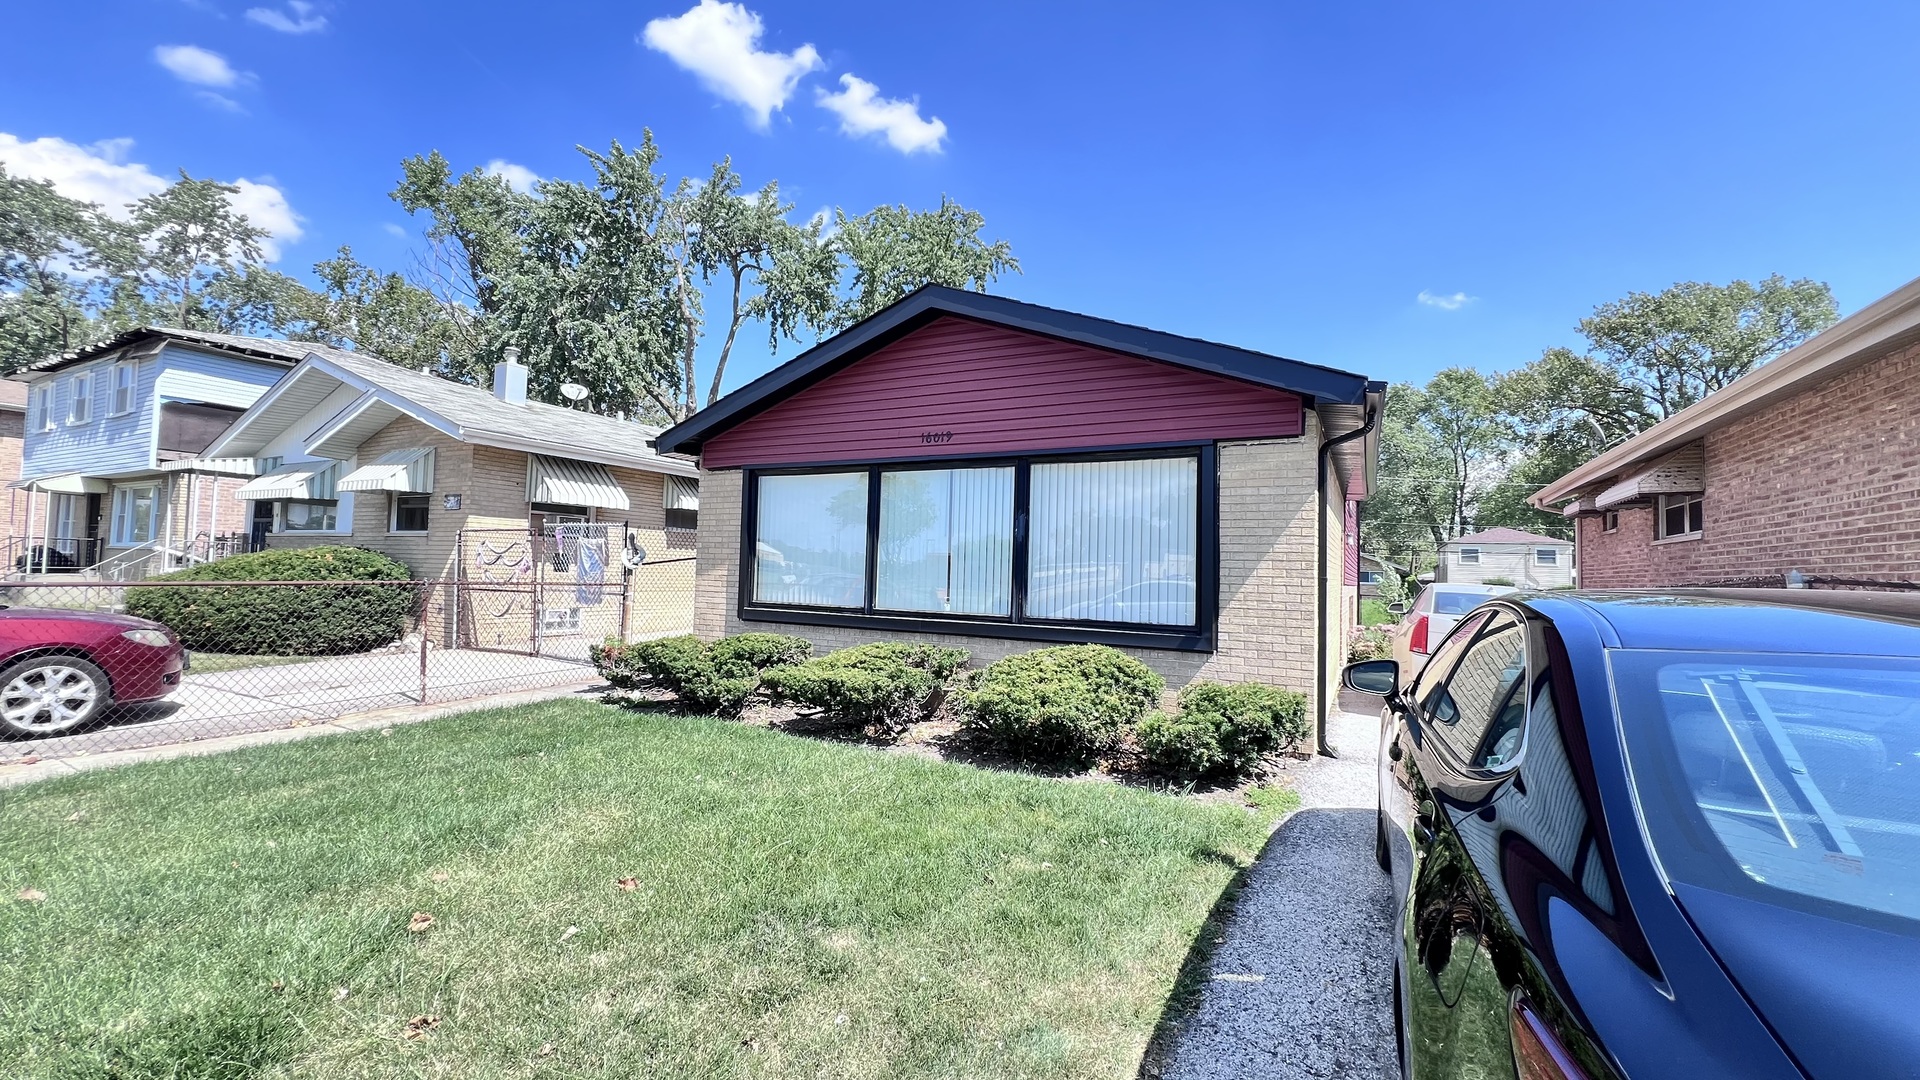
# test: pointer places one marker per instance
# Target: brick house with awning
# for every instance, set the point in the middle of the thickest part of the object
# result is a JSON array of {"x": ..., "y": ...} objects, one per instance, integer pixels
[
  {"x": 976, "y": 471},
  {"x": 1808, "y": 464}
]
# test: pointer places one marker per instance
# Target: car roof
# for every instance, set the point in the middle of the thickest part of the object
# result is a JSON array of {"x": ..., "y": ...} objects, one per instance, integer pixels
[
  {"x": 1470, "y": 587},
  {"x": 1832, "y": 622}
]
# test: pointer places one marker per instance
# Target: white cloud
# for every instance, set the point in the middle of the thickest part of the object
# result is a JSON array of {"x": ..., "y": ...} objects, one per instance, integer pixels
[
  {"x": 220, "y": 101},
  {"x": 863, "y": 111},
  {"x": 720, "y": 43},
  {"x": 266, "y": 207},
  {"x": 191, "y": 63},
  {"x": 97, "y": 174},
  {"x": 518, "y": 177},
  {"x": 394, "y": 230},
  {"x": 1446, "y": 302},
  {"x": 301, "y": 21},
  {"x": 100, "y": 173}
]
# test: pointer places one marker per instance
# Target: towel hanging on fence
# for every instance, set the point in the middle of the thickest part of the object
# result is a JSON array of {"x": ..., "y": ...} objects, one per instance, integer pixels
[{"x": 589, "y": 569}]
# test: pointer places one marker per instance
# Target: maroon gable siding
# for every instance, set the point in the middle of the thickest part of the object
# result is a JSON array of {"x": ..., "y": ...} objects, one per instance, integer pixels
[{"x": 961, "y": 387}]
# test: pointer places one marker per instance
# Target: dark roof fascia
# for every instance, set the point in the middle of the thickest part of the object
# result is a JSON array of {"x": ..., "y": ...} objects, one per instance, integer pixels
[
  {"x": 138, "y": 334},
  {"x": 1312, "y": 381}
]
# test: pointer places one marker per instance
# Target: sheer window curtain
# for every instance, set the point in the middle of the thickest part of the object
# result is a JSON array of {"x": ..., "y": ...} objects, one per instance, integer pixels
[
  {"x": 946, "y": 541},
  {"x": 811, "y": 533},
  {"x": 1115, "y": 541}
]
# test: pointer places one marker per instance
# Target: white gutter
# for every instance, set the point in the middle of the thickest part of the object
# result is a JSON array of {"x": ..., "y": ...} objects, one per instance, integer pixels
[{"x": 1846, "y": 344}]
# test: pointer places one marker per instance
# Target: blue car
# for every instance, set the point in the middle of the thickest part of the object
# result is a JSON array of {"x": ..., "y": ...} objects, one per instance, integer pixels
[{"x": 1641, "y": 836}]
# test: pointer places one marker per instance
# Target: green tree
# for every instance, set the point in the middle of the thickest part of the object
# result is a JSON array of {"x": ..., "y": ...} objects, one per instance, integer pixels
[
  {"x": 50, "y": 275},
  {"x": 180, "y": 250},
  {"x": 619, "y": 282}
]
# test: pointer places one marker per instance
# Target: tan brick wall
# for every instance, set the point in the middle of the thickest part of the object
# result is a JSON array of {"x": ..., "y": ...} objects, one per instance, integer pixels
[
  {"x": 18, "y": 504},
  {"x": 1268, "y": 589},
  {"x": 1827, "y": 482}
]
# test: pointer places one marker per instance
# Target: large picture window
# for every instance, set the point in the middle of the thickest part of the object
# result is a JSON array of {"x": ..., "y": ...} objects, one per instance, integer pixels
[
  {"x": 1110, "y": 547},
  {"x": 135, "y": 517}
]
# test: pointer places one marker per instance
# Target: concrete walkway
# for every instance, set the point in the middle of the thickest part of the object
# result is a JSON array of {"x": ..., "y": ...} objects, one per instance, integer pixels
[
  {"x": 255, "y": 699},
  {"x": 1303, "y": 984}
]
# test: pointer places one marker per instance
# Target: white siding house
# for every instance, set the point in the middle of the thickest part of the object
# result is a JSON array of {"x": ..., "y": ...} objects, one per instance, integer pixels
[{"x": 1527, "y": 560}]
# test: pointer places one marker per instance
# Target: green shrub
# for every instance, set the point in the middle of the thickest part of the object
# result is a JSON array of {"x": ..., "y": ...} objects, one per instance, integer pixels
[
  {"x": 717, "y": 678},
  {"x": 1507, "y": 581},
  {"x": 882, "y": 687},
  {"x": 293, "y": 620},
  {"x": 1223, "y": 732},
  {"x": 1062, "y": 704}
]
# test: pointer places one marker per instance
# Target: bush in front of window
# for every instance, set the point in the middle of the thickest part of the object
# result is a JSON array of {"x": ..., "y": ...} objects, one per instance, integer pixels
[
  {"x": 1223, "y": 732},
  {"x": 719, "y": 678},
  {"x": 880, "y": 688},
  {"x": 285, "y": 620},
  {"x": 1061, "y": 705}
]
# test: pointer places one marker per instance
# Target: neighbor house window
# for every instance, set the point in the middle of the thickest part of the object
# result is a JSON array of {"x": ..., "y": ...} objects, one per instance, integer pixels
[
  {"x": 1369, "y": 577},
  {"x": 80, "y": 406},
  {"x": 1546, "y": 556},
  {"x": 135, "y": 514},
  {"x": 1681, "y": 516},
  {"x": 1470, "y": 556},
  {"x": 306, "y": 515},
  {"x": 1610, "y": 521},
  {"x": 681, "y": 499},
  {"x": 41, "y": 406},
  {"x": 1096, "y": 542},
  {"x": 409, "y": 513},
  {"x": 123, "y": 375}
]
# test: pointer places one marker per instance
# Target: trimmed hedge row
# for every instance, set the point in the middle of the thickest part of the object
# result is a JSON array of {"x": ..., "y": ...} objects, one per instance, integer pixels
[
  {"x": 1057, "y": 706},
  {"x": 289, "y": 620}
]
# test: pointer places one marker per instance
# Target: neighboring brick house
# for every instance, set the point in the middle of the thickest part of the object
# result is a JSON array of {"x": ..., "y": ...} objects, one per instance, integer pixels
[
  {"x": 1810, "y": 463},
  {"x": 13, "y": 431},
  {"x": 462, "y": 483},
  {"x": 1523, "y": 559},
  {"x": 975, "y": 471}
]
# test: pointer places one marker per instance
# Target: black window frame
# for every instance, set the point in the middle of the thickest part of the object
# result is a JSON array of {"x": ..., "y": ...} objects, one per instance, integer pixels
[{"x": 1198, "y": 637}]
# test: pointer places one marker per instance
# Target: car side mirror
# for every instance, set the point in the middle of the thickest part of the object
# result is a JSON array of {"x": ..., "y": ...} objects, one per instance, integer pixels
[
  {"x": 1399, "y": 607},
  {"x": 1381, "y": 678}
]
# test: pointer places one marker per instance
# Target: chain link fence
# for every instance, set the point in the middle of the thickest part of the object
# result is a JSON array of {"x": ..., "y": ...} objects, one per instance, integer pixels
[{"x": 78, "y": 676}]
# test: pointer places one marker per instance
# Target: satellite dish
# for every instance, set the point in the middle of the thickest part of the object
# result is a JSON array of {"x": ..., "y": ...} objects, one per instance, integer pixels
[{"x": 572, "y": 391}]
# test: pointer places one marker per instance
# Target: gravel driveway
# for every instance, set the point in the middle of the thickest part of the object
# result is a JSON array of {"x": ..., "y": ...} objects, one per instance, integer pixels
[{"x": 1302, "y": 986}]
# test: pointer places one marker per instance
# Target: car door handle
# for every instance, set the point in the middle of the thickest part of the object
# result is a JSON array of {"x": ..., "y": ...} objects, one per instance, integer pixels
[{"x": 1423, "y": 829}]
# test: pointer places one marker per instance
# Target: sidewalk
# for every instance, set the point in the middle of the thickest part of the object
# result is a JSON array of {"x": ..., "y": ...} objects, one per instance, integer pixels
[{"x": 245, "y": 700}]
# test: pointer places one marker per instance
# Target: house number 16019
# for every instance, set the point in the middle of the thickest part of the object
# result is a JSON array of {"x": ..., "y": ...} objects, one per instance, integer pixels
[{"x": 936, "y": 436}]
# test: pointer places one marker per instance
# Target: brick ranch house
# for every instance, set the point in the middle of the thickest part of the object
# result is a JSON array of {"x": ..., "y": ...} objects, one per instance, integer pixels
[
  {"x": 460, "y": 483},
  {"x": 975, "y": 471},
  {"x": 1810, "y": 463}
]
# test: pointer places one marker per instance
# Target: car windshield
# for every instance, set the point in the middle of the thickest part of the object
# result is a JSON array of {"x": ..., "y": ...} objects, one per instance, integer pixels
[
  {"x": 1457, "y": 603},
  {"x": 1760, "y": 772}
]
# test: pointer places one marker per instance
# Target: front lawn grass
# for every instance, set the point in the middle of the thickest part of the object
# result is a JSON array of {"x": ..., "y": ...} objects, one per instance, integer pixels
[
  {"x": 206, "y": 663},
  {"x": 790, "y": 908}
]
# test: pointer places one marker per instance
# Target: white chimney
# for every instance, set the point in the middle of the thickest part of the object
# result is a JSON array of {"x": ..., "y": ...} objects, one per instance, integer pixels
[{"x": 510, "y": 379}]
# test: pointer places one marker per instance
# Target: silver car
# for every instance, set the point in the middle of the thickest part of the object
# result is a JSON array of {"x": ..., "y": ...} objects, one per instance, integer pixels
[{"x": 1425, "y": 624}]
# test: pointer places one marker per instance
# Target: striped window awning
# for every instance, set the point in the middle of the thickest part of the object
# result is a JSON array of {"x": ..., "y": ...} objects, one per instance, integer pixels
[
  {"x": 301, "y": 480},
  {"x": 68, "y": 484},
  {"x": 574, "y": 483},
  {"x": 682, "y": 493},
  {"x": 407, "y": 472}
]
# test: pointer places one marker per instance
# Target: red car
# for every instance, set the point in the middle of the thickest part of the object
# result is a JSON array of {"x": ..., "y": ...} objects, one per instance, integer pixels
[{"x": 60, "y": 669}]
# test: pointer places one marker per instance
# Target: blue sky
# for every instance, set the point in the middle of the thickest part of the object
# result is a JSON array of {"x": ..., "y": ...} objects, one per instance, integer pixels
[{"x": 1289, "y": 177}]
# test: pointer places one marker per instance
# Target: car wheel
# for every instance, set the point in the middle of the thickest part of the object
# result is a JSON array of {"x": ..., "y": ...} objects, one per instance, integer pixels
[
  {"x": 1381, "y": 853},
  {"x": 47, "y": 695}
]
